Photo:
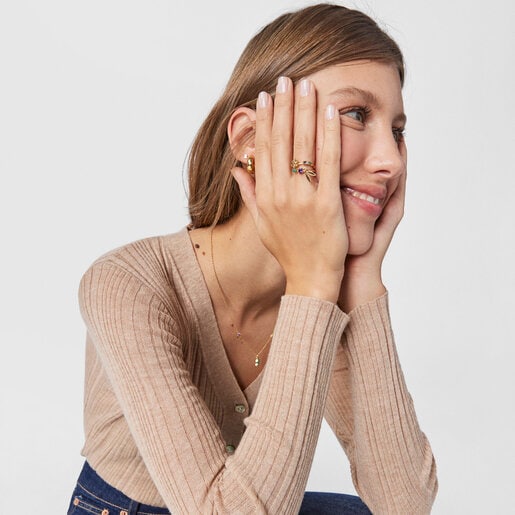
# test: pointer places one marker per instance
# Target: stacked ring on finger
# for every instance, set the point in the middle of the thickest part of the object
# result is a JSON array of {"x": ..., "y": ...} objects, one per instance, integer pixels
[{"x": 306, "y": 168}]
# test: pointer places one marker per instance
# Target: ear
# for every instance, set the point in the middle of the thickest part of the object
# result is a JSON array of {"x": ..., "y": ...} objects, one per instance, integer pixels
[{"x": 241, "y": 130}]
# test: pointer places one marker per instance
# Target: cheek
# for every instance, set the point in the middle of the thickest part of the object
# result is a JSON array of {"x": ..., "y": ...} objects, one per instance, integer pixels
[
  {"x": 353, "y": 146},
  {"x": 353, "y": 149}
]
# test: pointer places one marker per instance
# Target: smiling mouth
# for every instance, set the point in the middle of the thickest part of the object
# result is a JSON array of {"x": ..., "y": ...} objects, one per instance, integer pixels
[{"x": 362, "y": 196}]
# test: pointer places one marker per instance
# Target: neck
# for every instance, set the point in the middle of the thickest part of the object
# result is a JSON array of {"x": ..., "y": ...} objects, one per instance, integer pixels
[{"x": 250, "y": 277}]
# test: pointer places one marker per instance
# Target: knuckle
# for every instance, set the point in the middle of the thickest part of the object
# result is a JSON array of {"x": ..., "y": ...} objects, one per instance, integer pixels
[
  {"x": 304, "y": 203},
  {"x": 280, "y": 200},
  {"x": 331, "y": 128},
  {"x": 281, "y": 101},
  {"x": 277, "y": 139},
  {"x": 262, "y": 115},
  {"x": 301, "y": 144},
  {"x": 261, "y": 146},
  {"x": 305, "y": 104},
  {"x": 330, "y": 157},
  {"x": 262, "y": 204}
]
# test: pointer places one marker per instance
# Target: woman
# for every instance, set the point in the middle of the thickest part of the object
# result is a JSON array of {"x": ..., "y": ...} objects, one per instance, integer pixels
[{"x": 214, "y": 353}]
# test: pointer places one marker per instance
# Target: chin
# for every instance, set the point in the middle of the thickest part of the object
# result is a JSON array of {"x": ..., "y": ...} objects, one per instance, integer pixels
[{"x": 360, "y": 243}]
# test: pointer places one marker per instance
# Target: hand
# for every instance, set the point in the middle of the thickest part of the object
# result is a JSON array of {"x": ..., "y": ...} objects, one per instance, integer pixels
[
  {"x": 363, "y": 282},
  {"x": 300, "y": 223}
]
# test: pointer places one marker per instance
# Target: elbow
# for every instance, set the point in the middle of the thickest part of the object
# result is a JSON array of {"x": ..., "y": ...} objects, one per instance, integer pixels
[{"x": 400, "y": 495}]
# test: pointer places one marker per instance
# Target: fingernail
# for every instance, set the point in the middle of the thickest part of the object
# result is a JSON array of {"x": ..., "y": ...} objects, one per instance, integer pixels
[
  {"x": 282, "y": 85},
  {"x": 329, "y": 112},
  {"x": 304, "y": 87},
  {"x": 263, "y": 99}
]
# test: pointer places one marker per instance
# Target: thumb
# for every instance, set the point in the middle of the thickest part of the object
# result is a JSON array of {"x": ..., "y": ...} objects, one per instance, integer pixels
[{"x": 247, "y": 187}]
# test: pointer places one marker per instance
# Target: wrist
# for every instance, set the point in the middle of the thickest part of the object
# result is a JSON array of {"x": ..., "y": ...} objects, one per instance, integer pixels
[
  {"x": 327, "y": 288},
  {"x": 357, "y": 292}
]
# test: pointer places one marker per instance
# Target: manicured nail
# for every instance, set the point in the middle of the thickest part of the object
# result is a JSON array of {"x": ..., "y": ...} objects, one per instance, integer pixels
[
  {"x": 282, "y": 85},
  {"x": 304, "y": 87},
  {"x": 263, "y": 99},
  {"x": 329, "y": 112}
]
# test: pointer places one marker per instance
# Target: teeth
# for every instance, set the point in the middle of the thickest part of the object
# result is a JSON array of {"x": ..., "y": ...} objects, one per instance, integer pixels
[{"x": 362, "y": 196}]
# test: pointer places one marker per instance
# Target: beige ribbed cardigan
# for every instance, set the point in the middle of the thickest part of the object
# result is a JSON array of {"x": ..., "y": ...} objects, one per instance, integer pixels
[{"x": 163, "y": 410}]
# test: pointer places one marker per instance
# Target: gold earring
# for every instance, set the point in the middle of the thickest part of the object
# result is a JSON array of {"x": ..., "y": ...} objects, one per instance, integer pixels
[{"x": 250, "y": 164}]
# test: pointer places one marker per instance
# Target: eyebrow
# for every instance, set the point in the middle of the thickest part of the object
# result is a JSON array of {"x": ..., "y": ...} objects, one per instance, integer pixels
[{"x": 369, "y": 98}]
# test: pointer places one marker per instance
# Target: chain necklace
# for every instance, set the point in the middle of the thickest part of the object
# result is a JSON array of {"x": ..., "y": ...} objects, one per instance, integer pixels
[{"x": 257, "y": 359}]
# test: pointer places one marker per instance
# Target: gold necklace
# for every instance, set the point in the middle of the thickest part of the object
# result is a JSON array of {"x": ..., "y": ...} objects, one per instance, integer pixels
[{"x": 257, "y": 360}]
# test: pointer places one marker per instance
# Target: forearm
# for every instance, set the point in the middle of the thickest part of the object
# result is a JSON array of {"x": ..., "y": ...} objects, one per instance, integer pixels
[
  {"x": 277, "y": 449},
  {"x": 394, "y": 467},
  {"x": 372, "y": 413},
  {"x": 174, "y": 431}
]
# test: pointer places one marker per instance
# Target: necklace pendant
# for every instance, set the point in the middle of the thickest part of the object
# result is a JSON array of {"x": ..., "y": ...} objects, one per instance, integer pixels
[{"x": 257, "y": 361}]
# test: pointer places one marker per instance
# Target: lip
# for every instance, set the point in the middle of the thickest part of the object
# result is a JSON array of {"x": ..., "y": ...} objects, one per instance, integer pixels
[{"x": 373, "y": 205}]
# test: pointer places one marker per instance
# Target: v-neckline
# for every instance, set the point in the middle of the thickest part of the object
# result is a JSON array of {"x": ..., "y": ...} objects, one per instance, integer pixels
[{"x": 213, "y": 349}]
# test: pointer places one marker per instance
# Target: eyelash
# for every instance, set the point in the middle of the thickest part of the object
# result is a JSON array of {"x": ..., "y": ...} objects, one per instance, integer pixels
[
  {"x": 364, "y": 110},
  {"x": 398, "y": 132}
]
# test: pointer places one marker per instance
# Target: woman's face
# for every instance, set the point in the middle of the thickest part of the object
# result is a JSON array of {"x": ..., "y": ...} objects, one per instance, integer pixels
[{"x": 368, "y": 96}]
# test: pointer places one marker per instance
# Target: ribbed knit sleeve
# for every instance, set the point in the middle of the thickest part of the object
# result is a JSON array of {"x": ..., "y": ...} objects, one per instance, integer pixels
[
  {"x": 180, "y": 442},
  {"x": 372, "y": 414}
]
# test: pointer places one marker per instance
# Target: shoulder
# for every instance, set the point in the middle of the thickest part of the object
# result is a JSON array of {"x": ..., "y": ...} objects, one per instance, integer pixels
[{"x": 149, "y": 261}]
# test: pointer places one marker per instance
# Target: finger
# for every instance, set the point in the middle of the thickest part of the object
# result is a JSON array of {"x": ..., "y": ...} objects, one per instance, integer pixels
[
  {"x": 304, "y": 122},
  {"x": 329, "y": 168},
  {"x": 264, "y": 119},
  {"x": 394, "y": 208},
  {"x": 399, "y": 195},
  {"x": 282, "y": 129},
  {"x": 404, "y": 151},
  {"x": 247, "y": 189},
  {"x": 400, "y": 192},
  {"x": 392, "y": 215}
]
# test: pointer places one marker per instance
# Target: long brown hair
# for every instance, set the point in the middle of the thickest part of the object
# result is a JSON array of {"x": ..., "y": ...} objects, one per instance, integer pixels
[{"x": 295, "y": 45}]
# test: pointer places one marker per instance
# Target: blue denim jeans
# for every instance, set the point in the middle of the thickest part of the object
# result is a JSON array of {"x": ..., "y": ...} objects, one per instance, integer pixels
[{"x": 93, "y": 495}]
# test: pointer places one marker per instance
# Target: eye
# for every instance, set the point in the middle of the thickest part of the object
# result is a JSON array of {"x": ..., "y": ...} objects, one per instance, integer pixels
[
  {"x": 398, "y": 134},
  {"x": 359, "y": 114}
]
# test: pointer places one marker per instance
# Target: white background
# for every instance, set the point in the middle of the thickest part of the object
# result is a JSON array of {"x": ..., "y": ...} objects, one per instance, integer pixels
[{"x": 99, "y": 102}]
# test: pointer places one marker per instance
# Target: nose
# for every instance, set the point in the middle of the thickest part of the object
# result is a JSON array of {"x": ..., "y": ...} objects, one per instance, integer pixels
[{"x": 386, "y": 154}]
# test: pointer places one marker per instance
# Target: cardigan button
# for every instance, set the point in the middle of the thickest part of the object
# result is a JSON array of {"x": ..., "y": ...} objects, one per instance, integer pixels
[
  {"x": 239, "y": 408},
  {"x": 230, "y": 448}
]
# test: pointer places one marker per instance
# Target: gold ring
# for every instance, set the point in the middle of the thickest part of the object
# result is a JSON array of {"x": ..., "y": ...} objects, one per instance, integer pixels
[{"x": 306, "y": 168}]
